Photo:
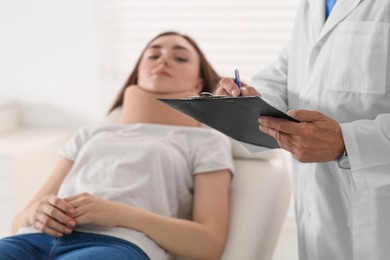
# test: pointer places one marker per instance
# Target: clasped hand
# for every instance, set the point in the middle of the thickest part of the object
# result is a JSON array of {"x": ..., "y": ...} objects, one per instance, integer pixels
[
  {"x": 317, "y": 138},
  {"x": 57, "y": 217}
]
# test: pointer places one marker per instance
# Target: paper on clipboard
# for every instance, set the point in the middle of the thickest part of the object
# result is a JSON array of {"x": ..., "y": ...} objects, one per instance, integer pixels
[{"x": 236, "y": 117}]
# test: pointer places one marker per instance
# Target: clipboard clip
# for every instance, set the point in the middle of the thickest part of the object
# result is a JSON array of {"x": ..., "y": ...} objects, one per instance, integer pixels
[{"x": 207, "y": 95}]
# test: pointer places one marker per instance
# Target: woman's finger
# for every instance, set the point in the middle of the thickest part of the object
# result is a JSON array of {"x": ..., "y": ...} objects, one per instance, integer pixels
[
  {"x": 58, "y": 215},
  {"x": 60, "y": 204},
  {"x": 47, "y": 230},
  {"x": 50, "y": 226}
]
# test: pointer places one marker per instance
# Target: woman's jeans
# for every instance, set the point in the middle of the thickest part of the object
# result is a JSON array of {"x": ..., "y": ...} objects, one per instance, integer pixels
[{"x": 75, "y": 246}]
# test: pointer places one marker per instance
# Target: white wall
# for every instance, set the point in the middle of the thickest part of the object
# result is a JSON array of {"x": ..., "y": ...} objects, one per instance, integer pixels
[{"x": 49, "y": 55}]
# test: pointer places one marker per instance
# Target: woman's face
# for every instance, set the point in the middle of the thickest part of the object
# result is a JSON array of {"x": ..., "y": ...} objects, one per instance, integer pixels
[{"x": 170, "y": 65}]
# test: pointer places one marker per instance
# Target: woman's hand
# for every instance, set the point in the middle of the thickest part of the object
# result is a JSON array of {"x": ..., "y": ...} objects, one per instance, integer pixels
[
  {"x": 51, "y": 215},
  {"x": 93, "y": 210},
  {"x": 227, "y": 87}
]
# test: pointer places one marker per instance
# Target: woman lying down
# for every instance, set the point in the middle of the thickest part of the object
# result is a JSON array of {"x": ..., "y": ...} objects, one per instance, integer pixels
[{"x": 154, "y": 185}]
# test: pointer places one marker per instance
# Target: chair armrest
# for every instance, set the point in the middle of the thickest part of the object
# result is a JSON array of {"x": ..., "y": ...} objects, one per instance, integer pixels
[{"x": 260, "y": 196}]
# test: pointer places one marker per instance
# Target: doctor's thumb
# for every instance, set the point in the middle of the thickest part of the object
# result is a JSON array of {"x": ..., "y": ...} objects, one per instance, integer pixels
[{"x": 304, "y": 115}]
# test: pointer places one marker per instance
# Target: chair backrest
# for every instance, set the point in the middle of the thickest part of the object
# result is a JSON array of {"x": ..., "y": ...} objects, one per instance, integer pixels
[{"x": 260, "y": 196}]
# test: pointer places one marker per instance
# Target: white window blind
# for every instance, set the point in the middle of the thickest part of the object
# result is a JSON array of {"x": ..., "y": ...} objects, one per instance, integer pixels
[{"x": 245, "y": 34}]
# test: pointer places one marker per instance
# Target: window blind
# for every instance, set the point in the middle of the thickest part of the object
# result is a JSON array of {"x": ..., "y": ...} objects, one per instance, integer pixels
[{"x": 245, "y": 34}]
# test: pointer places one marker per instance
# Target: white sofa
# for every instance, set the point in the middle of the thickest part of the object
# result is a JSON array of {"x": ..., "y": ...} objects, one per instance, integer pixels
[{"x": 260, "y": 192}]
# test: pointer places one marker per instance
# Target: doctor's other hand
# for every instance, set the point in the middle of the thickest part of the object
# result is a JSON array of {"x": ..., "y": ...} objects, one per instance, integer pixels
[
  {"x": 228, "y": 87},
  {"x": 51, "y": 215},
  {"x": 317, "y": 138}
]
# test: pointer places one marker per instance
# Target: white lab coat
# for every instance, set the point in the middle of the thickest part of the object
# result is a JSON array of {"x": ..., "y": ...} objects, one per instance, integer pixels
[{"x": 340, "y": 67}]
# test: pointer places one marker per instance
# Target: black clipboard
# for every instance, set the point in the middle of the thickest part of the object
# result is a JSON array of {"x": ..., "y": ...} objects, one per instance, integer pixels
[{"x": 236, "y": 117}]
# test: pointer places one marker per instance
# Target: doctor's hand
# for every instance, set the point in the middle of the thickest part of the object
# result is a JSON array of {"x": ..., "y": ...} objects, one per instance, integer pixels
[
  {"x": 228, "y": 87},
  {"x": 317, "y": 138}
]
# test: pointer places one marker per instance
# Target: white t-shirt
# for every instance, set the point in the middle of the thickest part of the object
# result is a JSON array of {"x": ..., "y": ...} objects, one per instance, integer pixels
[{"x": 148, "y": 166}]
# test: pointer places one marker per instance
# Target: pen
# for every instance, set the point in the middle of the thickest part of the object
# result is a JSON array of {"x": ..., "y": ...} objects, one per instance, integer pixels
[{"x": 237, "y": 78}]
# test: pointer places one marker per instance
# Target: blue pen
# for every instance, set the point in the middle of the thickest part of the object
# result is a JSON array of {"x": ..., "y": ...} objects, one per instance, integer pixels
[{"x": 237, "y": 78}]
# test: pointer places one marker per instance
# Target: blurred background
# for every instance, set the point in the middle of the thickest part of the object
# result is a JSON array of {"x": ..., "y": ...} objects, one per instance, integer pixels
[{"x": 63, "y": 62}]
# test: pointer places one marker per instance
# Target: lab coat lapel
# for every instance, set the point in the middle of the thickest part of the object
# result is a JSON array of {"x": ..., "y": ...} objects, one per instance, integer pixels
[
  {"x": 317, "y": 16},
  {"x": 340, "y": 11}
]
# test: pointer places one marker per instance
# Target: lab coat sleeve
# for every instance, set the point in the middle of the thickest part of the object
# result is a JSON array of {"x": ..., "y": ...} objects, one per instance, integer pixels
[
  {"x": 368, "y": 145},
  {"x": 272, "y": 81}
]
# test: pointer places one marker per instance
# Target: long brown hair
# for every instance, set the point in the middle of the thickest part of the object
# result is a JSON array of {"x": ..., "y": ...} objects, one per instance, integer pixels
[{"x": 207, "y": 73}]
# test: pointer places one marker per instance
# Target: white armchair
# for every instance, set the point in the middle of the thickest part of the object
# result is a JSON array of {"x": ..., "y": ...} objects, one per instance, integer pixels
[{"x": 260, "y": 196}]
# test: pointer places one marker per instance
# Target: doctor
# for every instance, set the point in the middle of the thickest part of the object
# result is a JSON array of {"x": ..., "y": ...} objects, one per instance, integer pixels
[{"x": 334, "y": 76}]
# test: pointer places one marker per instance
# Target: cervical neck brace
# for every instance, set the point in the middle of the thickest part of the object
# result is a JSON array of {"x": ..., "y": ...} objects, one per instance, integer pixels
[{"x": 140, "y": 106}]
